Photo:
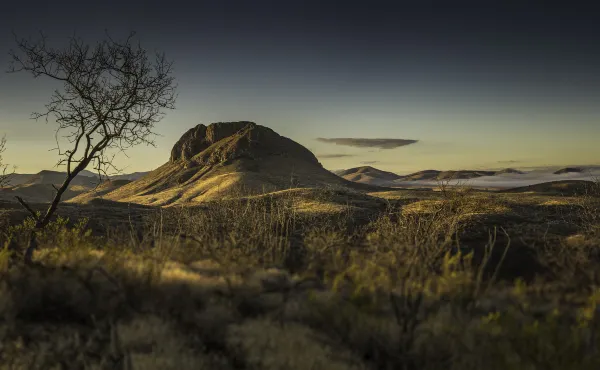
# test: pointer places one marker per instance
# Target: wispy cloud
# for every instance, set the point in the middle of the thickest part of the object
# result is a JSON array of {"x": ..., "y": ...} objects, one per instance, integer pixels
[
  {"x": 369, "y": 162},
  {"x": 509, "y": 162},
  {"x": 335, "y": 155},
  {"x": 368, "y": 143}
]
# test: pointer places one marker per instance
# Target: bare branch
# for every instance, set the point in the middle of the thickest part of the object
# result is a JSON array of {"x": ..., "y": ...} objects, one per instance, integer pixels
[
  {"x": 113, "y": 95},
  {"x": 26, "y": 206}
]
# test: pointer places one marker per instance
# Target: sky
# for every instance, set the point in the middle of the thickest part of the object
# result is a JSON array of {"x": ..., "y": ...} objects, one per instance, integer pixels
[{"x": 467, "y": 85}]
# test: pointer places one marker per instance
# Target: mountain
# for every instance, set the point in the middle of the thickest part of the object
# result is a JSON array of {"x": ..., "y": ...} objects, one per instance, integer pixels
[
  {"x": 568, "y": 170},
  {"x": 19, "y": 178},
  {"x": 129, "y": 176},
  {"x": 463, "y": 174},
  {"x": 434, "y": 175},
  {"x": 509, "y": 171},
  {"x": 126, "y": 176},
  {"x": 38, "y": 193},
  {"x": 371, "y": 171},
  {"x": 39, "y": 187},
  {"x": 230, "y": 158},
  {"x": 87, "y": 173},
  {"x": 57, "y": 178},
  {"x": 422, "y": 175},
  {"x": 85, "y": 178},
  {"x": 368, "y": 175},
  {"x": 105, "y": 187},
  {"x": 564, "y": 187},
  {"x": 373, "y": 176}
]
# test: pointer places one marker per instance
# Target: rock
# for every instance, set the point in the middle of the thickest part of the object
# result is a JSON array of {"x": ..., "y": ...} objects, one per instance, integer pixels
[
  {"x": 190, "y": 143},
  {"x": 199, "y": 138},
  {"x": 226, "y": 141}
]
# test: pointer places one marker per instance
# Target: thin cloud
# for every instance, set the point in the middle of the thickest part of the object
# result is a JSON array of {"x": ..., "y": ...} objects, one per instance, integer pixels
[
  {"x": 369, "y": 162},
  {"x": 509, "y": 162},
  {"x": 339, "y": 155},
  {"x": 368, "y": 143}
]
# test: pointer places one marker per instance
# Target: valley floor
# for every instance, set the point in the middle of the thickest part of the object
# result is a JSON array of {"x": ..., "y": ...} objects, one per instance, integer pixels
[{"x": 308, "y": 279}]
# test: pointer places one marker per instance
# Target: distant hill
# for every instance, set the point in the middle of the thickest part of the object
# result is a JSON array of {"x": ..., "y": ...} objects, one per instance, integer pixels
[
  {"x": 463, "y": 174},
  {"x": 19, "y": 178},
  {"x": 369, "y": 175},
  {"x": 432, "y": 175},
  {"x": 422, "y": 175},
  {"x": 126, "y": 176},
  {"x": 565, "y": 187},
  {"x": 230, "y": 159},
  {"x": 38, "y": 193},
  {"x": 106, "y": 187},
  {"x": 371, "y": 171},
  {"x": 57, "y": 178},
  {"x": 509, "y": 171},
  {"x": 38, "y": 187},
  {"x": 130, "y": 176},
  {"x": 568, "y": 170}
]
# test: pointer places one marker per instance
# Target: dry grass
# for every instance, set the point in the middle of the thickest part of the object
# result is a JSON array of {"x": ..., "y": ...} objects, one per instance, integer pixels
[{"x": 273, "y": 282}]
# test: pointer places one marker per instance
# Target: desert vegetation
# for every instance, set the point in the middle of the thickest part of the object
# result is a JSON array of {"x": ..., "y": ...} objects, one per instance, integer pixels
[{"x": 455, "y": 279}]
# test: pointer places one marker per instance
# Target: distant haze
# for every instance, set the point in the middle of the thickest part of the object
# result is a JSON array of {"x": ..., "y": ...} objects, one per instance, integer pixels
[{"x": 515, "y": 180}]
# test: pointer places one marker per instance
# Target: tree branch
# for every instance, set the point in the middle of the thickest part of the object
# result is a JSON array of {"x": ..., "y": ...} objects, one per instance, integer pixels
[{"x": 26, "y": 206}]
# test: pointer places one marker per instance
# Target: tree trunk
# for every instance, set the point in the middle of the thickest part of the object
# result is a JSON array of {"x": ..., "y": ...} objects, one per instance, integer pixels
[{"x": 42, "y": 222}]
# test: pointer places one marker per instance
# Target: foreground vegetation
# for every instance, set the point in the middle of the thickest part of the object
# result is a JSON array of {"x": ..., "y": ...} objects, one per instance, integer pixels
[{"x": 454, "y": 280}]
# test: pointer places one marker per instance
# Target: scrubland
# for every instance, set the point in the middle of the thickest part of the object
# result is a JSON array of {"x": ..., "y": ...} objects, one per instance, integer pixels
[{"x": 308, "y": 279}]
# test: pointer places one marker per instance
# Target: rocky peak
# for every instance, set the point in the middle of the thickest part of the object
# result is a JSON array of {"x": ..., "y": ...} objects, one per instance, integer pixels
[
  {"x": 199, "y": 138},
  {"x": 232, "y": 140},
  {"x": 220, "y": 130}
]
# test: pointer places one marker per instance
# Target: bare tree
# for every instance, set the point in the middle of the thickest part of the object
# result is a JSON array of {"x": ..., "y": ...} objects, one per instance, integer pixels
[
  {"x": 112, "y": 96},
  {"x": 5, "y": 174}
]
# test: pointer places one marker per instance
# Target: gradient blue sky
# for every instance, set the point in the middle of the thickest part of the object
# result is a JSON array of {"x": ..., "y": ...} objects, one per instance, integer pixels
[{"x": 478, "y": 85}]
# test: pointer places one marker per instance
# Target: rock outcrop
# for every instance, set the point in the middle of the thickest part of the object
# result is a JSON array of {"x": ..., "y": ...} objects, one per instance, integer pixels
[
  {"x": 226, "y": 141},
  {"x": 199, "y": 138}
]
